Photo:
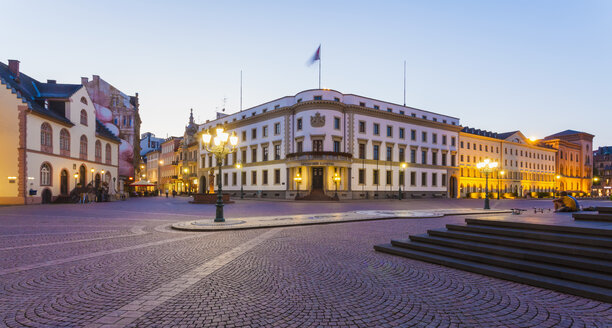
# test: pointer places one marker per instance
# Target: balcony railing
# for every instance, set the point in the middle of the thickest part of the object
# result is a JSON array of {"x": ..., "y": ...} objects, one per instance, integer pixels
[{"x": 319, "y": 155}]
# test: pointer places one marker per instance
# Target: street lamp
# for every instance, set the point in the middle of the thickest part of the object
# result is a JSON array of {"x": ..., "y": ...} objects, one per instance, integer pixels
[
  {"x": 487, "y": 167},
  {"x": 92, "y": 172},
  {"x": 557, "y": 183},
  {"x": 336, "y": 181},
  {"x": 220, "y": 148},
  {"x": 401, "y": 183},
  {"x": 297, "y": 180},
  {"x": 76, "y": 179},
  {"x": 501, "y": 173},
  {"x": 239, "y": 167}
]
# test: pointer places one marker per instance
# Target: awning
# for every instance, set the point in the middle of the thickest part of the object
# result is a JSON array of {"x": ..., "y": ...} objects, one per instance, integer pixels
[{"x": 142, "y": 183}]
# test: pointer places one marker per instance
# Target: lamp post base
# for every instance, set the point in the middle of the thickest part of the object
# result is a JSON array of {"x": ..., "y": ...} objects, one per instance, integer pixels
[{"x": 486, "y": 204}]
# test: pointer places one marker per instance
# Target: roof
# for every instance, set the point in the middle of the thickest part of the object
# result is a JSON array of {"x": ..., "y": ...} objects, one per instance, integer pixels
[
  {"x": 485, "y": 133},
  {"x": 31, "y": 91},
  {"x": 105, "y": 132}
]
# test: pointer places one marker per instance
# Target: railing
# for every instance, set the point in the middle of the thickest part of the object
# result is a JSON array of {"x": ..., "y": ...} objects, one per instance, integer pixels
[{"x": 318, "y": 155}]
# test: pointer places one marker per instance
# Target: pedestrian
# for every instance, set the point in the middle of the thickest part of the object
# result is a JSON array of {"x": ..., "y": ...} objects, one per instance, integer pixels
[
  {"x": 166, "y": 193},
  {"x": 173, "y": 193}
]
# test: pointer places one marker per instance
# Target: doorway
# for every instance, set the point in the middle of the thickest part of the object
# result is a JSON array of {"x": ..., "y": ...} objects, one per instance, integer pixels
[
  {"x": 82, "y": 177},
  {"x": 317, "y": 178},
  {"x": 64, "y": 182},
  {"x": 46, "y": 196}
]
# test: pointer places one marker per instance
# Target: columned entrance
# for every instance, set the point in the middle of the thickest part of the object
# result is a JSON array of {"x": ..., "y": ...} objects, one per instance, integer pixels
[{"x": 317, "y": 178}]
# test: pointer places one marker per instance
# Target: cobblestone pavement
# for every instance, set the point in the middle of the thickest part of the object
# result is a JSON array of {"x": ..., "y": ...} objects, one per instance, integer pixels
[{"x": 118, "y": 264}]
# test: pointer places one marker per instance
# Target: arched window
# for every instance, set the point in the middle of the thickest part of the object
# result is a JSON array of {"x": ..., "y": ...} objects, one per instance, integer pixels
[
  {"x": 108, "y": 153},
  {"x": 45, "y": 174},
  {"x": 84, "y": 100},
  {"x": 64, "y": 142},
  {"x": 83, "y": 117},
  {"x": 98, "y": 151},
  {"x": 46, "y": 138},
  {"x": 83, "y": 148}
]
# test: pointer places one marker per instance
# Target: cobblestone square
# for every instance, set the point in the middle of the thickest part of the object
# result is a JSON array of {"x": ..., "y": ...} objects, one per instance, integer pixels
[{"x": 120, "y": 265}]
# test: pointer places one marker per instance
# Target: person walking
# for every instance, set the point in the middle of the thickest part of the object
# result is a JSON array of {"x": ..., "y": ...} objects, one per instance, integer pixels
[{"x": 166, "y": 193}]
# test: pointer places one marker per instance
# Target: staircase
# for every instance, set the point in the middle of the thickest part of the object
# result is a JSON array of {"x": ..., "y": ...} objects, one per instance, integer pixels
[
  {"x": 604, "y": 214},
  {"x": 569, "y": 259},
  {"x": 316, "y": 194}
]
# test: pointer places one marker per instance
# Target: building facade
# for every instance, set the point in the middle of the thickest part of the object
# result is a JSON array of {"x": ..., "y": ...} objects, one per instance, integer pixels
[
  {"x": 318, "y": 134},
  {"x": 602, "y": 170},
  {"x": 168, "y": 164},
  {"x": 52, "y": 141},
  {"x": 153, "y": 167},
  {"x": 526, "y": 168},
  {"x": 149, "y": 142},
  {"x": 574, "y": 163}
]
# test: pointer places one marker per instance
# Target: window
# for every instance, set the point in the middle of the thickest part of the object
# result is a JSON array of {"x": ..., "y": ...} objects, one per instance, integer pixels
[
  {"x": 45, "y": 174},
  {"x": 376, "y": 152},
  {"x": 253, "y": 133},
  {"x": 390, "y": 110},
  {"x": 83, "y": 147},
  {"x": 434, "y": 179},
  {"x": 362, "y": 151},
  {"x": 376, "y": 107},
  {"x": 424, "y": 179},
  {"x": 253, "y": 178},
  {"x": 265, "y": 153},
  {"x": 244, "y": 136},
  {"x": 108, "y": 154},
  {"x": 434, "y": 158},
  {"x": 98, "y": 151},
  {"x": 46, "y": 141},
  {"x": 225, "y": 178},
  {"x": 234, "y": 178},
  {"x": 413, "y": 178},
  {"x": 413, "y": 135},
  {"x": 244, "y": 156},
  {"x": 390, "y": 154},
  {"x": 276, "y": 128},
  {"x": 317, "y": 145},
  {"x": 424, "y": 157},
  {"x": 336, "y": 146},
  {"x": 402, "y": 178},
  {"x": 277, "y": 176},
  {"x": 83, "y": 100},
  {"x": 300, "y": 146},
  {"x": 444, "y": 159},
  {"x": 443, "y": 179},
  {"x": 318, "y": 98},
  {"x": 444, "y": 139},
  {"x": 277, "y": 151},
  {"x": 362, "y": 127},
  {"x": 336, "y": 99},
  {"x": 337, "y": 123},
  {"x": 375, "y": 177},
  {"x": 265, "y": 131},
  {"x": 389, "y": 177},
  {"x": 299, "y": 123},
  {"x": 401, "y": 133},
  {"x": 453, "y": 141},
  {"x": 389, "y": 131},
  {"x": 84, "y": 117},
  {"x": 265, "y": 176},
  {"x": 402, "y": 154},
  {"x": 243, "y": 176},
  {"x": 253, "y": 155},
  {"x": 434, "y": 138},
  {"x": 376, "y": 129},
  {"x": 412, "y": 155},
  {"x": 362, "y": 104},
  {"x": 361, "y": 176},
  {"x": 402, "y": 112},
  {"x": 64, "y": 142},
  {"x": 424, "y": 136}
]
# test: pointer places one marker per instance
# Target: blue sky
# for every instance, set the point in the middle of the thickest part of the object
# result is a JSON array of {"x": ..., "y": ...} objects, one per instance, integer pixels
[{"x": 537, "y": 66}]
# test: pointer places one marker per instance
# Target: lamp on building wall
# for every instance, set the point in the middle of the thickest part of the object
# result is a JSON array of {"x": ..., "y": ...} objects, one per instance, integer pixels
[
  {"x": 298, "y": 180},
  {"x": 222, "y": 144},
  {"x": 401, "y": 183},
  {"x": 486, "y": 167},
  {"x": 239, "y": 167},
  {"x": 76, "y": 179},
  {"x": 501, "y": 174}
]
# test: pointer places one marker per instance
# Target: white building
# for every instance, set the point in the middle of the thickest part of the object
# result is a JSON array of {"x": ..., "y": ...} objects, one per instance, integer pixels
[
  {"x": 51, "y": 140},
  {"x": 317, "y": 134}
]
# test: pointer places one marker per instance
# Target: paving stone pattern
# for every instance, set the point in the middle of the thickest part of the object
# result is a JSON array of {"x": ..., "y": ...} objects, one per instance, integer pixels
[{"x": 97, "y": 265}]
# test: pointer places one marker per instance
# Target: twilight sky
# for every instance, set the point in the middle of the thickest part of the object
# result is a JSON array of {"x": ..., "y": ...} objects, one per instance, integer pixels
[{"x": 536, "y": 66}]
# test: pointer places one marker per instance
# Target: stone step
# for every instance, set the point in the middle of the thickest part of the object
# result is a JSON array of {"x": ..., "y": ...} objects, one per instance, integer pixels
[
  {"x": 556, "y": 271},
  {"x": 578, "y": 262},
  {"x": 542, "y": 227},
  {"x": 604, "y": 209},
  {"x": 592, "y": 217},
  {"x": 547, "y": 246},
  {"x": 561, "y": 285},
  {"x": 596, "y": 241}
]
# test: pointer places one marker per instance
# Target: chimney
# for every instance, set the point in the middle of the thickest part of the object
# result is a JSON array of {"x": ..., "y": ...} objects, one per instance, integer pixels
[
  {"x": 14, "y": 68},
  {"x": 84, "y": 80},
  {"x": 51, "y": 81}
]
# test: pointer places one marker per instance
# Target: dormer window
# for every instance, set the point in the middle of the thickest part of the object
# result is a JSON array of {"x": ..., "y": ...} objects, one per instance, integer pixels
[
  {"x": 318, "y": 97},
  {"x": 83, "y": 117}
]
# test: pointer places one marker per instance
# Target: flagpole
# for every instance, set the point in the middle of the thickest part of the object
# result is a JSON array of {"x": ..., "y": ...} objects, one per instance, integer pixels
[
  {"x": 319, "y": 66},
  {"x": 404, "y": 83},
  {"x": 241, "y": 90}
]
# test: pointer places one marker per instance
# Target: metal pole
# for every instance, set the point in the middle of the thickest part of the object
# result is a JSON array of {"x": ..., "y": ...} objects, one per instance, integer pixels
[
  {"x": 486, "y": 204},
  {"x": 241, "y": 184},
  {"x": 219, "y": 217}
]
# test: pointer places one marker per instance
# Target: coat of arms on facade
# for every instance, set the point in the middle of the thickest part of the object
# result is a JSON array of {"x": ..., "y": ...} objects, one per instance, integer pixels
[{"x": 317, "y": 121}]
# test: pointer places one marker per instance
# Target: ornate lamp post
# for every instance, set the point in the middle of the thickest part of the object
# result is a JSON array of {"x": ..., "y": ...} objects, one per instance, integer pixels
[
  {"x": 92, "y": 172},
  {"x": 401, "y": 183},
  {"x": 220, "y": 147},
  {"x": 297, "y": 180},
  {"x": 557, "y": 183},
  {"x": 487, "y": 167},
  {"x": 336, "y": 181},
  {"x": 501, "y": 173},
  {"x": 76, "y": 179},
  {"x": 239, "y": 167}
]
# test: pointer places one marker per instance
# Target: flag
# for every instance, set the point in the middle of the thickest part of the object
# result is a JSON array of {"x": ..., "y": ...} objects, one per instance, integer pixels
[{"x": 315, "y": 57}]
